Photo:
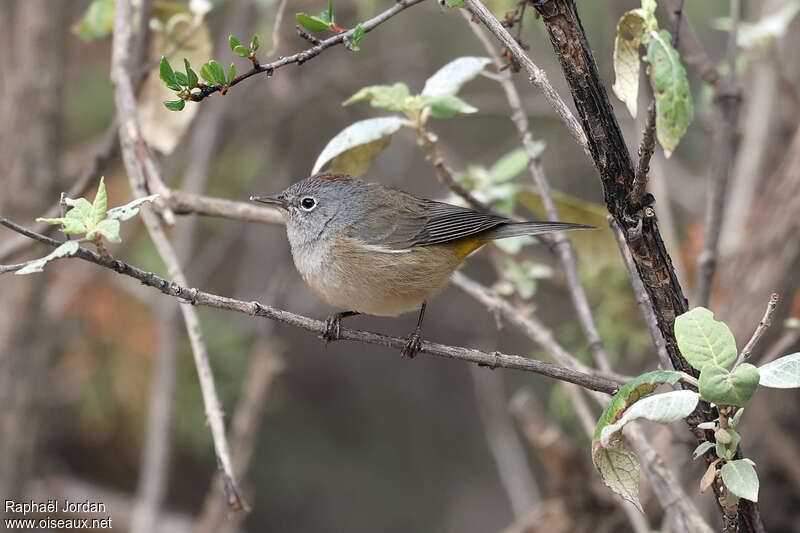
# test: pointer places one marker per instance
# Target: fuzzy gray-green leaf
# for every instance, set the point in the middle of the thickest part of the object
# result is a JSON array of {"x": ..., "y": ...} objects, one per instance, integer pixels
[{"x": 674, "y": 106}]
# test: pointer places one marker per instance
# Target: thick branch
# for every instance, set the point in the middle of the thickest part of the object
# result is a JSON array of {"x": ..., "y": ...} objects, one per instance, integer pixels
[
  {"x": 305, "y": 55},
  {"x": 198, "y": 297}
]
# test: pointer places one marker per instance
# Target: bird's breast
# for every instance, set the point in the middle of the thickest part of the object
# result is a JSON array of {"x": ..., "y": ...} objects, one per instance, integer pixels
[{"x": 355, "y": 276}]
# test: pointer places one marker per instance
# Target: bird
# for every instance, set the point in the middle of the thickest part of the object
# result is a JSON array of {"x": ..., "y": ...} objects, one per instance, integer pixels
[{"x": 370, "y": 249}]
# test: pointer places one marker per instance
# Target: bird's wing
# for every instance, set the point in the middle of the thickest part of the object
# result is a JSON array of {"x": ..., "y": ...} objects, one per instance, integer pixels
[{"x": 411, "y": 221}]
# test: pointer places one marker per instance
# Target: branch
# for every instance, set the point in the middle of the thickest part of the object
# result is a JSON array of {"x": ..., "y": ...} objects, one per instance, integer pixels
[
  {"x": 206, "y": 299},
  {"x": 536, "y": 75},
  {"x": 310, "y": 53},
  {"x": 641, "y": 295},
  {"x": 560, "y": 240},
  {"x": 646, "y": 149},
  {"x": 763, "y": 326},
  {"x": 143, "y": 173}
]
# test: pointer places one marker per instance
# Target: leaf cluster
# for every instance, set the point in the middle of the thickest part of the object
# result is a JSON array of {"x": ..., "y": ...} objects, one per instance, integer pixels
[{"x": 92, "y": 220}]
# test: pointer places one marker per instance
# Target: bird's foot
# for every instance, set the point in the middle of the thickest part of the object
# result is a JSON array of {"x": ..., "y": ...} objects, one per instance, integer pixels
[
  {"x": 332, "y": 326},
  {"x": 413, "y": 344}
]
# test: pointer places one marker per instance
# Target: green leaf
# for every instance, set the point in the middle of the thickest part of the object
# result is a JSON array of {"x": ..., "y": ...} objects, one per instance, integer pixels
[
  {"x": 649, "y": 10},
  {"x": 630, "y": 393},
  {"x": 728, "y": 388},
  {"x": 182, "y": 79},
  {"x": 327, "y": 16},
  {"x": 455, "y": 3},
  {"x": 674, "y": 107},
  {"x": 191, "y": 75},
  {"x": 97, "y": 22},
  {"x": 389, "y": 97},
  {"x": 449, "y": 79},
  {"x": 254, "y": 44},
  {"x": 509, "y": 166},
  {"x": 167, "y": 75},
  {"x": 631, "y": 27},
  {"x": 661, "y": 408},
  {"x": 131, "y": 209},
  {"x": 703, "y": 340},
  {"x": 233, "y": 42},
  {"x": 358, "y": 33},
  {"x": 100, "y": 203},
  {"x": 231, "y": 73},
  {"x": 357, "y": 134},
  {"x": 65, "y": 249},
  {"x": 727, "y": 450},
  {"x": 783, "y": 373},
  {"x": 108, "y": 229},
  {"x": 312, "y": 23},
  {"x": 72, "y": 226},
  {"x": 449, "y": 106},
  {"x": 175, "y": 105},
  {"x": 213, "y": 73},
  {"x": 241, "y": 51},
  {"x": 702, "y": 448},
  {"x": 619, "y": 469},
  {"x": 739, "y": 412},
  {"x": 741, "y": 479},
  {"x": 81, "y": 209}
]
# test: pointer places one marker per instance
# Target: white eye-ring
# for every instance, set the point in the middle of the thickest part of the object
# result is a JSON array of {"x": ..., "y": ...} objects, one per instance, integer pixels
[{"x": 308, "y": 203}]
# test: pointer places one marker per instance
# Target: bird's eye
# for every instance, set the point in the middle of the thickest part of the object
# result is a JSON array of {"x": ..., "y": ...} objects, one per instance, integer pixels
[{"x": 308, "y": 203}]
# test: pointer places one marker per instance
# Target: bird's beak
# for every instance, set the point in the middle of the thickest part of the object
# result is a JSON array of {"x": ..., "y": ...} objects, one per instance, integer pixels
[{"x": 278, "y": 200}]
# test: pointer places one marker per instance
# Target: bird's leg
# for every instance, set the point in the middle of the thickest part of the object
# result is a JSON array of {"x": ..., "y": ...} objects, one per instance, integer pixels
[
  {"x": 332, "y": 324},
  {"x": 414, "y": 342}
]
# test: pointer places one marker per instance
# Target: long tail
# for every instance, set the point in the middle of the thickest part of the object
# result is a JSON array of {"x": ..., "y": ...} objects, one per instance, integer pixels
[{"x": 515, "y": 229}]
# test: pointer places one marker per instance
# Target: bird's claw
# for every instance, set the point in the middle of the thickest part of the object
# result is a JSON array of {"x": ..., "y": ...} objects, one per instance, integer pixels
[
  {"x": 413, "y": 345},
  {"x": 332, "y": 326}
]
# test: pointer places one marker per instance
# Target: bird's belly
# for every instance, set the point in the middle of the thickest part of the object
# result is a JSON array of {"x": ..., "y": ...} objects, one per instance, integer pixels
[{"x": 369, "y": 280}]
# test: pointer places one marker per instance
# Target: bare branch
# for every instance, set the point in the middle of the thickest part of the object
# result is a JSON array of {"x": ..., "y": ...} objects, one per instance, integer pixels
[
  {"x": 184, "y": 203},
  {"x": 646, "y": 149},
  {"x": 306, "y": 55},
  {"x": 198, "y": 297},
  {"x": 763, "y": 326},
  {"x": 536, "y": 75},
  {"x": 142, "y": 174}
]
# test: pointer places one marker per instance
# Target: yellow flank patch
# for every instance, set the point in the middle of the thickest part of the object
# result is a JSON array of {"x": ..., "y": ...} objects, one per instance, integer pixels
[{"x": 467, "y": 245}]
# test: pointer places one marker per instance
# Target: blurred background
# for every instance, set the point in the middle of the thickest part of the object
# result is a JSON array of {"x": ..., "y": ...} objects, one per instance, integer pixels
[{"x": 350, "y": 437}]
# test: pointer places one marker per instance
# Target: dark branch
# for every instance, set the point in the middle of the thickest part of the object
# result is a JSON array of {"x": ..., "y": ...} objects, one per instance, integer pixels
[{"x": 198, "y": 297}]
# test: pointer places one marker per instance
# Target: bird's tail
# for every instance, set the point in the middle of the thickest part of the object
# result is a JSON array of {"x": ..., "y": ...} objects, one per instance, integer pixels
[{"x": 515, "y": 229}]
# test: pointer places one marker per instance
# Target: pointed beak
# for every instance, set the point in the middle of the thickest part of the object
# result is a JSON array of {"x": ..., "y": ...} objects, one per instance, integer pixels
[{"x": 278, "y": 200}]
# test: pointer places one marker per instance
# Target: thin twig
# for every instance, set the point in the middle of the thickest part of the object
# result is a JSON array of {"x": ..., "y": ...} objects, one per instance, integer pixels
[
  {"x": 561, "y": 241},
  {"x": 642, "y": 298},
  {"x": 646, "y": 149},
  {"x": 763, "y": 326},
  {"x": 143, "y": 171},
  {"x": 678, "y": 14},
  {"x": 536, "y": 75},
  {"x": 276, "y": 30},
  {"x": 305, "y": 55},
  {"x": 202, "y": 298}
]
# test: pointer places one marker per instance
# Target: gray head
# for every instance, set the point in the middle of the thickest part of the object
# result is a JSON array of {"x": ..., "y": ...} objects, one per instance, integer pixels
[{"x": 318, "y": 205}]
